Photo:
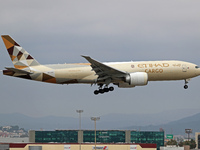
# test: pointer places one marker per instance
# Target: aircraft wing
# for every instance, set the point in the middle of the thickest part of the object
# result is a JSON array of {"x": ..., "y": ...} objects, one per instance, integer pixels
[{"x": 103, "y": 71}]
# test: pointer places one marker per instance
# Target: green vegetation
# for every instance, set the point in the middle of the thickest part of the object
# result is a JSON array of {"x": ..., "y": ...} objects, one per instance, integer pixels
[
  {"x": 171, "y": 142},
  {"x": 191, "y": 143}
]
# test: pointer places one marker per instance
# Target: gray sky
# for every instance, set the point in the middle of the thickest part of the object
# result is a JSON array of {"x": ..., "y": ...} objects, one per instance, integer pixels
[{"x": 114, "y": 30}]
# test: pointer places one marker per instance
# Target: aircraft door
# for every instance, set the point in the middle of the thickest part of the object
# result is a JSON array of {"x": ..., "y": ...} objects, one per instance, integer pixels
[{"x": 184, "y": 68}]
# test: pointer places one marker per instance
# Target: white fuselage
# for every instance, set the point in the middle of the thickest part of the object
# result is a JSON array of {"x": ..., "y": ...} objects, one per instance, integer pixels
[{"x": 156, "y": 70}]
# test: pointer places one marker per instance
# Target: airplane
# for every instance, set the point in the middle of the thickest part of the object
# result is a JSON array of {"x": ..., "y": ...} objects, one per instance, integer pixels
[{"x": 123, "y": 74}]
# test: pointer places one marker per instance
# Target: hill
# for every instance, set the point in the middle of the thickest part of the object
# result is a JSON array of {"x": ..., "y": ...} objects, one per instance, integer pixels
[
  {"x": 111, "y": 121},
  {"x": 175, "y": 127}
]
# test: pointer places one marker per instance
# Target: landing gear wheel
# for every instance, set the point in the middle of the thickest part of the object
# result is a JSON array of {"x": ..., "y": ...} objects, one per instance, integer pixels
[
  {"x": 96, "y": 92},
  {"x": 101, "y": 91},
  {"x": 106, "y": 89},
  {"x": 185, "y": 86},
  {"x": 111, "y": 88}
]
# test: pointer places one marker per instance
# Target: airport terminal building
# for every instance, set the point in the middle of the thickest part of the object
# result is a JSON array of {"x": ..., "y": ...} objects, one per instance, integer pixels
[
  {"x": 71, "y": 146},
  {"x": 102, "y": 137}
]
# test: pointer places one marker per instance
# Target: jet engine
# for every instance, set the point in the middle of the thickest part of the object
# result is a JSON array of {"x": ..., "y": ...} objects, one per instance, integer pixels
[{"x": 135, "y": 79}]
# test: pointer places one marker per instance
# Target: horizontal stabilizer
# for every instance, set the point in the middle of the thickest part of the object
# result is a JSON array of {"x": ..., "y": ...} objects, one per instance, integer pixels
[{"x": 18, "y": 71}]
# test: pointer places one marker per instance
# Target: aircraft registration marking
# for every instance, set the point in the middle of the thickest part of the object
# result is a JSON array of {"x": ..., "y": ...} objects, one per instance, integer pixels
[{"x": 176, "y": 65}]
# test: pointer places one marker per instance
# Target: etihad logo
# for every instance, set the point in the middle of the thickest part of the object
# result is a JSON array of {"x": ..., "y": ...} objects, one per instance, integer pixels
[{"x": 153, "y": 65}]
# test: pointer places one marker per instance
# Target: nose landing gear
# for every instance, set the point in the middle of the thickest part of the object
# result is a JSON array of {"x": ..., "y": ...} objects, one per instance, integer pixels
[
  {"x": 186, "y": 82},
  {"x": 103, "y": 90}
]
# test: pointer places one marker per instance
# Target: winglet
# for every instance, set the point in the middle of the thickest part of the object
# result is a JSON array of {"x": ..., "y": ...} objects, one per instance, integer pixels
[
  {"x": 85, "y": 56},
  {"x": 88, "y": 58}
]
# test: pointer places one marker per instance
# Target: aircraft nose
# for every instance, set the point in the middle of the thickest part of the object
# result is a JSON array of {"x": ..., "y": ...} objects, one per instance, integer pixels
[{"x": 197, "y": 71}]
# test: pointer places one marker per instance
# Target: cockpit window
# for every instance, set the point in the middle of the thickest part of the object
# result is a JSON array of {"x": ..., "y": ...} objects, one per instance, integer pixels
[{"x": 196, "y": 66}]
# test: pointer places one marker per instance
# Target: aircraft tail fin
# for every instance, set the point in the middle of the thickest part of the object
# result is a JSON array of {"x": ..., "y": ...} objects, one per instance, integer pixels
[{"x": 21, "y": 59}]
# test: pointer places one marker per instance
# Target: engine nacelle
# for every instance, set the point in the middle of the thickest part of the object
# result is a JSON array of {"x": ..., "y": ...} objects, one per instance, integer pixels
[
  {"x": 125, "y": 85},
  {"x": 137, "y": 79}
]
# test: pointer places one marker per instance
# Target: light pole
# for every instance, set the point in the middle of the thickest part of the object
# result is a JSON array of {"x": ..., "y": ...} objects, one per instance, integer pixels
[
  {"x": 79, "y": 111},
  {"x": 95, "y": 119},
  {"x": 188, "y": 131}
]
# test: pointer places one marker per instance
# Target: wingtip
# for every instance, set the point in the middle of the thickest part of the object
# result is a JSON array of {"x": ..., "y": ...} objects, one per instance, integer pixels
[{"x": 85, "y": 56}]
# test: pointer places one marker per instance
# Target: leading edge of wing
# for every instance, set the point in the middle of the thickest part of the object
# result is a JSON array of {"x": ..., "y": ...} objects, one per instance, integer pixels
[{"x": 101, "y": 68}]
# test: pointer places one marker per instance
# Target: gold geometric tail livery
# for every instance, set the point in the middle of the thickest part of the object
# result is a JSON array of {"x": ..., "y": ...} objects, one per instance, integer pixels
[
  {"x": 122, "y": 74},
  {"x": 21, "y": 59}
]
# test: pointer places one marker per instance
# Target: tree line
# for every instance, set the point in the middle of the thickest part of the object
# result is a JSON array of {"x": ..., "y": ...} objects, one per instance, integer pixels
[{"x": 191, "y": 143}]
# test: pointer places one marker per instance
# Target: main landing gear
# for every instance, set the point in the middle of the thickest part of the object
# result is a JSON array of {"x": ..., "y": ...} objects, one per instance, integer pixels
[
  {"x": 103, "y": 90},
  {"x": 186, "y": 82}
]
